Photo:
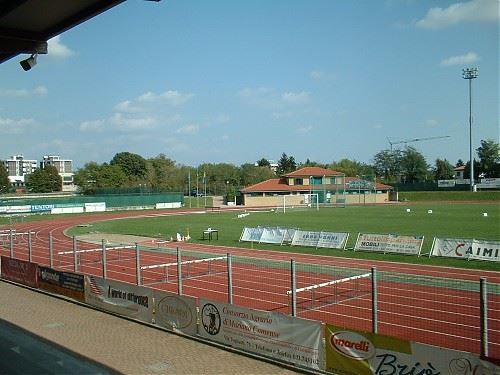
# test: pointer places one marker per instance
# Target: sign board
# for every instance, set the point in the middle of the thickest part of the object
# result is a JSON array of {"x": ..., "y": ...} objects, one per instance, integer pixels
[
  {"x": 361, "y": 353},
  {"x": 174, "y": 312},
  {"x": 68, "y": 284},
  {"x": 389, "y": 243},
  {"x": 19, "y": 271},
  {"x": 466, "y": 249},
  {"x": 265, "y": 333}
]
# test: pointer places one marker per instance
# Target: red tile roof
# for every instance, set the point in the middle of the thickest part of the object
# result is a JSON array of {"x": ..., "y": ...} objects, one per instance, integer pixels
[{"x": 313, "y": 171}]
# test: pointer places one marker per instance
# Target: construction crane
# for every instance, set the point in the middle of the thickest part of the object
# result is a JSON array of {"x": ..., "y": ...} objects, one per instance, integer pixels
[{"x": 415, "y": 140}]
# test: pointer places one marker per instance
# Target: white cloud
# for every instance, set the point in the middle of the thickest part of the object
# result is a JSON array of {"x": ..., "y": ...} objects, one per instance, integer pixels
[
  {"x": 57, "y": 49},
  {"x": 24, "y": 93},
  {"x": 295, "y": 98},
  {"x": 304, "y": 129},
  {"x": 171, "y": 97},
  {"x": 127, "y": 107},
  {"x": 474, "y": 10},
  {"x": 468, "y": 58},
  {"x": 10, "y": 126},
  {"x": 92, "y": 126},
  {"x": 188, "y": 129},
  {"x": 132, "y": 124}
]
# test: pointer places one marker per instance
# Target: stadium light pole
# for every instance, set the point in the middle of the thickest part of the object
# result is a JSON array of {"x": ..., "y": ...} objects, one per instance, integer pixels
[{"x": 470, "y": 74}]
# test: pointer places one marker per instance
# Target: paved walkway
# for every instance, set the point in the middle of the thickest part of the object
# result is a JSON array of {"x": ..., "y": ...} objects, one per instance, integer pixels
[{"x": 119, "y": 344}]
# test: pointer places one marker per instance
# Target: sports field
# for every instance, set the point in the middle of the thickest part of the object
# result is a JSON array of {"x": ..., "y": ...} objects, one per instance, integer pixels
[
  {"x": 425, "y": 303},
  {"x": 457, "y": 220}
]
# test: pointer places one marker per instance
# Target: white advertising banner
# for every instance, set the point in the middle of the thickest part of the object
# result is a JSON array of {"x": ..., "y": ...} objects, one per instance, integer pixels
[
  {"x": 389, "y": 243},
  {"x": 274, "y": 335},
  {"x": 272, "y": 235},
  {"x": 251, "y": 234},
  {"x": 363, "y": 353},
  {"x": 466, "y": 249},
  {"x": 95, "y": 207},
  {"x": 174, "y": 312},
  {"x": 329, "y": 240},
  {"x": 121, "y": 298},
  {"x": 18, "y": 209}
]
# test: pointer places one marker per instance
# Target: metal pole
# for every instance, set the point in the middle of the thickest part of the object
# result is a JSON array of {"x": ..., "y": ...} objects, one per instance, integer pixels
[
  {"x": 30, "y": 248},
  {"x": 471, "y": 156},
  {"x": 179, "y": 272},
  {"x": 11, "y": 244},
  {"x": 229, "y": 279},
  {"x": 75, "y": 262},
  {"x": 294, "y": 288},
  {"x": 374, "y": 301},
  {"x": 138, "y": 263},
  {"x": 484, "y": 316},
  {"x": 104, "y": 271},
  {"x": 51, "y": 251}
]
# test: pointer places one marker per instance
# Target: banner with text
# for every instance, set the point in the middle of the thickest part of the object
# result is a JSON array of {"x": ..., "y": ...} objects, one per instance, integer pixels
[
  {"x": 68, "y": 284},
  {"x": 466, "y": 249},
  {"x": 362, "y": 353},
  {"x": 274, "y": 335},
  {"x": 389, "y": 243},
  {"x": 174, "y": 312},
  {"x": 329, "y": 240},
  {"x": 19, "y": 271},
  {"x": 251, "y": 234},
  {"x": 121, "y": 298}
]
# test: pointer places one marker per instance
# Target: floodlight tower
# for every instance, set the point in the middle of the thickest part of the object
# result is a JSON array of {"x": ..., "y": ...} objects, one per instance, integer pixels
[{"x": 470, "y": 74}]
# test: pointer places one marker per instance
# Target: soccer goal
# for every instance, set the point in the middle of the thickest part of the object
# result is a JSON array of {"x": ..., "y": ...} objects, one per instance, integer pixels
[{"x": 298, "y": 203}]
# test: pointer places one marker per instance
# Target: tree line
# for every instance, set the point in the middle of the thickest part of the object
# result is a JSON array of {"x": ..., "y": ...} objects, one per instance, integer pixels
[{"x": 160, "y": 173}]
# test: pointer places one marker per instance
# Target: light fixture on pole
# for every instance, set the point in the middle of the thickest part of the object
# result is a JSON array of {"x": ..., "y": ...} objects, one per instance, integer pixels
[
  {"x": 29, "y": 63},
  {"x": 470, "y": 74}
]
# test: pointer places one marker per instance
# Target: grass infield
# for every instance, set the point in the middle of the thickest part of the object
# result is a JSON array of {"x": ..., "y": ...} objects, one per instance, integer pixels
[{"x": 456, "y": 220}]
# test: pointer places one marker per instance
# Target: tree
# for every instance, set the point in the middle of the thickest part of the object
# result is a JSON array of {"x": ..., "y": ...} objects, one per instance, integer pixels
[
  {"x": 443, "y": 170},
  {"x": 4, "y": 180},
  {"x": 286, "y": 164},
  {"x": 46, "y": 180},
  {"x": 489, "y": 158},
  {"x": 133, "y": 165},
  {"x": 263, "y": 163},
  {"x": 413, "y": 165},
  {"x": 387, "y": 164},
  {"x": 251, "y": 174},
  {"x": 352, "y": 168}
]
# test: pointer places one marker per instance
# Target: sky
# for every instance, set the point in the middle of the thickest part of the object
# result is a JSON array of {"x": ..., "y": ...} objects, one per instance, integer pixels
[{"x": 237, "y": 81}]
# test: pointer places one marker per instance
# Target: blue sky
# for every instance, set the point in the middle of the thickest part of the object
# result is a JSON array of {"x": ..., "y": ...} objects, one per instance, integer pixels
[{"x": 236, "y": 81}]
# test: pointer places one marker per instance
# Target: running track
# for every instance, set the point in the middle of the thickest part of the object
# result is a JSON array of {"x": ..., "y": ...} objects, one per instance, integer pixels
[{"x": 445, "y": 317}]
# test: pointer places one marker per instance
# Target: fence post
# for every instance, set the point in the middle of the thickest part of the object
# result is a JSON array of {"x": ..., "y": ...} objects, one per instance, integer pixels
[
  {"x": 30, "y": 247},
  {"x": 484, "y": 316},
  {"x": 137, "y": 264},
  {"x": 11, "y": 244},
  {"x": 104, "y": 273},
  {"x": 75, "y": 262},
  {"x": 294, "y": 288},
  {"x": 374, "y": 301},
  {"x": 229, "y": 279},
  {"x": 51, "y": 251},
  {"x": 179, "y": 272}
]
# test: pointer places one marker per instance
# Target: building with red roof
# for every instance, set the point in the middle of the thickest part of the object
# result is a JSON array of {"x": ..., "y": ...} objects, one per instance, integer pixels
[{"x": 307, "y": 185}]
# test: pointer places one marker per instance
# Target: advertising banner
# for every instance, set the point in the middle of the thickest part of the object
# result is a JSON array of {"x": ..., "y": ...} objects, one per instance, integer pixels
[
  {"x": 174, "y": 312},
  {"x": 272, "y": 235},
  {"x": 120, "y": 298},
  {"x": 251, "y": 234},
  {"x": 389, "y": 243},
  {"x": 328, "y": 240},
  {"x": 18, "y": 209},
  {"x": 41, "y": 207},
  {"x": 68, "y": 284},
  {"x": 466, "y": 249},
  {"x": 19, "y": 271},
  {"x": 274, "y": 335},
  {"x": 363, "y": 353}
]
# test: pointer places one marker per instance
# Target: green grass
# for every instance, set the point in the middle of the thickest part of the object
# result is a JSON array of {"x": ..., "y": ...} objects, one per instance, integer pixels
[
  {"x": 456, "y": 196},
  {"x": 447, "y": 220}
]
